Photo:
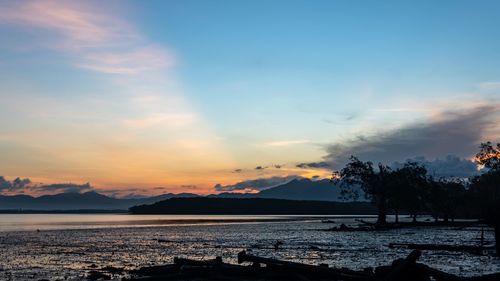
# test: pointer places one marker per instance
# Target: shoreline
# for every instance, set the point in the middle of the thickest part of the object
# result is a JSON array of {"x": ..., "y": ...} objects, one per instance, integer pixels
[
  {"x": 77, "y": 252},
  {"x": 92, "y": 222}
]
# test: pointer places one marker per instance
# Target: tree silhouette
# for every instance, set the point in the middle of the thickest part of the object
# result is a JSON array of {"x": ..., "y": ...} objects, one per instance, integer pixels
[
  {"x": 373, "y": 183},
  {"x": 486, "y": 187},
  {"x": 397, "y": 194},
  {"x": 445, "y": 198},
  {"x": 409, "y": 188},
  {"x": 406, "y": 188},
  {"x": 489, "y": 156}
]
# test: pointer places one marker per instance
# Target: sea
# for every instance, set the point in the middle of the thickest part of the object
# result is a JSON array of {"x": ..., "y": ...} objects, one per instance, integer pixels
[{"x": 70, "y": 246}]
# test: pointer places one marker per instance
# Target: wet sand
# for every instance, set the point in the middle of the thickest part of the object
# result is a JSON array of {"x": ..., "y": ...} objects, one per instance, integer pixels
[{"x": 70, "y": 254}]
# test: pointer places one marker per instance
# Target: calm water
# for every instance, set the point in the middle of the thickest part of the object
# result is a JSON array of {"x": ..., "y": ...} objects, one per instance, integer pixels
[
  {"x": 17, "y": 222},
  {"x": 67, "y": 247}
]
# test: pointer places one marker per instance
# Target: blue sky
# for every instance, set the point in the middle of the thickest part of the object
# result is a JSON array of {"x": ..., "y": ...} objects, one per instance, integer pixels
[
  {"x": 135, "y": 94},
  {"x": 297, "y": 62}
]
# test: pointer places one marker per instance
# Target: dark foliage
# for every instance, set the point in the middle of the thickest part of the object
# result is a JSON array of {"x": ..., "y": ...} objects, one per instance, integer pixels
[
  {"x": 400, "y": 189},
  {"x": 445, "y": 198},
  {"x": 485, "y": 189},
  {"x": 410, "y": 189}
]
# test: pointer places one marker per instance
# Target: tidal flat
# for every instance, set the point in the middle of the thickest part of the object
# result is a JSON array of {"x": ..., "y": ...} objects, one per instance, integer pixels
[{"x": 69, "y": 247}]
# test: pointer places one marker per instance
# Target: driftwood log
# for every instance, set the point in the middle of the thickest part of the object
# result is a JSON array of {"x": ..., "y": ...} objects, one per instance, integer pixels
[
  {"x": 262, "y": 268},
  {"x": 400, "y": 270},
  {"x": 321, "y": 271}
]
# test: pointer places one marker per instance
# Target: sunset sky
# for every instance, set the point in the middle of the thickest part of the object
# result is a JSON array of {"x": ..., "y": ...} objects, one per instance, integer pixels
[{"x": 183, "y": 95}]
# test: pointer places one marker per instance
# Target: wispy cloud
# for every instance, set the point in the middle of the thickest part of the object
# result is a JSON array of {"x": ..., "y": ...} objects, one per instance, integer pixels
[
  {"x": 169, "y": 119},
  {"x": 61, "y": 188},
  {"x": 97, "y": 41},
  {"x": 253, "y": 185},
  {"x": 77, "y": 26},
  {"x": 137, "y": 128},
  {"x": 135, "y": 61},
  {"x": 491, "y": 85},
  {"x": 286, "y": 142}
]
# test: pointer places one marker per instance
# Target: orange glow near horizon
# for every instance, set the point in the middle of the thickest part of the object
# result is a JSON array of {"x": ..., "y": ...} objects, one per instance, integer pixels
[
  {"x": 199, "y": 183},
  {"x": 142, "y": 100}
]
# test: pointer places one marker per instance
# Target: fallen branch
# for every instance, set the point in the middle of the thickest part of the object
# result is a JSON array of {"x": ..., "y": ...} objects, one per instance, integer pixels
[
  {"x": 273, "y": 270},
  {"x": 477, "y": 250},
  {"x": 403, "y": 268}
]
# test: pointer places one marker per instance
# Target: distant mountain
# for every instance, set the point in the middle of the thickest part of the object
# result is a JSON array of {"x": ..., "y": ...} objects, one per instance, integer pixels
[
  {"x": 78, "y": 201},
  {"x": 297, "y": 189},
  {"x": 253, "y": 206},
  {"x": 233, "y": 195},
  {"x": 304, "y": 189}
]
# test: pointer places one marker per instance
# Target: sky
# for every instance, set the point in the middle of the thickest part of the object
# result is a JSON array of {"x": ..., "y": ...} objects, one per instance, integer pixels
[{"x": 149, "y": 97}]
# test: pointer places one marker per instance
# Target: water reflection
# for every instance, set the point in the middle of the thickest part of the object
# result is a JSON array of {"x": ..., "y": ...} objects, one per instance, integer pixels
[{"x": 15, "y": 222}]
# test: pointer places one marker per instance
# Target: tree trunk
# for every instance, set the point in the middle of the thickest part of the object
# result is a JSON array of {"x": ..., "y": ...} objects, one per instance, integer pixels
[
  {"x": 414, "y": 217},
  {"x": 396, "y": 212},
  {"x": 382, "y": 211},
  {"x": 382, "y": 216},
  {"x": 497, "y": 235}
]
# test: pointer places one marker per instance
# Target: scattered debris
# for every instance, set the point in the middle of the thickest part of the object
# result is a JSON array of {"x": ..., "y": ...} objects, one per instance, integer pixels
[
  {"x": 476, "y": 250},
  {"x": 96, "y": 275},
  {"x": 262, "y": 268},
  {"x": 278, "y": 244},
  {"x": 112, "y": 269},
  {"x": 344, "y": 227}
]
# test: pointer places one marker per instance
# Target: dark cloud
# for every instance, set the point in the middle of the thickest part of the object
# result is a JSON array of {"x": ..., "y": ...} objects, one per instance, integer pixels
[
  {"x": 450, "y": 166},
  {"x": 453, "y": 133},
  {"x": 260, "y": 168},
  {"x": 255, "y": 184},
  {"x": 238, "y": 170},
  {"x": 19, "y": 185},
  {"x": 126, "y": 192},
  {"x": 15, "y": 185},
  {"x": 278, "y": 166},
  {"x": 63, "y": 188},
  {"x": 314, "y": 165}
]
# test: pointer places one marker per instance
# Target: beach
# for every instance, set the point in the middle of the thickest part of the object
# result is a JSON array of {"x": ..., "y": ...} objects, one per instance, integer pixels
[{"x": 68, "y": 247}]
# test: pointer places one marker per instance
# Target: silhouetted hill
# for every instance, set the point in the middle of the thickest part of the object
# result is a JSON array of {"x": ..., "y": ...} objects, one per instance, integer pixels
[
  {"x": 304, "y": 189},
  {"x": 233, "y": 195},
  {"x": 254, "y": 206},
  {"x": 297, "y": 189},
  {"x": 77, "y": 201}
]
